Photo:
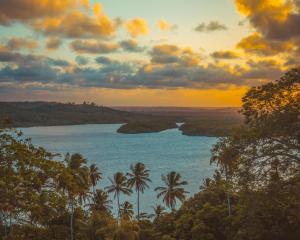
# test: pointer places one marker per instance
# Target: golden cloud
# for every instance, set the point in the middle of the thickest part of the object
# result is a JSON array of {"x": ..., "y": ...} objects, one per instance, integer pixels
[
  {"x": 137, "y": 26},
  {"x": 256, "y": 44},
  {"x": 77, "y": 24},
  {"x": 165, "y": 26},
  {"x": 275, "y": 9},
  {"x": 274, "y": 19},
  {"x": 20, "y": 10}
]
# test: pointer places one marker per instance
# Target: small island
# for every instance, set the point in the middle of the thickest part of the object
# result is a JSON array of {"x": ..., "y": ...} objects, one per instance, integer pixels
[
  {"x": 209, "y": 129},
  {"x": 146, "y": 126}
]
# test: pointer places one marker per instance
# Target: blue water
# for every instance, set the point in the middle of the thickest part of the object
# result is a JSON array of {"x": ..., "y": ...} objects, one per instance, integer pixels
[{"x": 111, "y": 151}]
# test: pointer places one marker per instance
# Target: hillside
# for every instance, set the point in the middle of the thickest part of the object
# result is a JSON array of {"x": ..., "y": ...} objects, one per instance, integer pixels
[
  {"x": 26, "y": 114},
  {"x": 197, "y": 121}
]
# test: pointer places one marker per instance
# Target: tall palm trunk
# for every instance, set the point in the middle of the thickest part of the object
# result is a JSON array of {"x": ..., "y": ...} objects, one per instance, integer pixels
[
  {"x": 228, "y": 193},
  {"x": 119, "y": 210},
  {"x": 138, "y": 205},
  {"x": 71, "y": 220}
]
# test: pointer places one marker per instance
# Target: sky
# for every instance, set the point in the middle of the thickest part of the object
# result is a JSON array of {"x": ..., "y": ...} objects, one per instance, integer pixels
[{"x": 196, "y": 53}]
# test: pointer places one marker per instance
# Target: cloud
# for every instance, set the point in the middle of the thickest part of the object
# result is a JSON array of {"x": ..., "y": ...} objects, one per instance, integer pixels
[
  {"x": 276, "y": 20},
  {"x": 225, "y": 55},
  {"x": 171, "y": 67},
  {"x": 77, "y": 24},
  {"x": 20, "y": 10},
  {"x": 137, "y": 27},
  {"x": 212, "y": 26},
  {"x": 172, "y": 54},
  {"x": 53, "y": 43},
  {"x": 256, "y": 44},
  {"x": 93, "y": 46},
  {"x": 103, "y": 60},
  {"x": 16, "y": 43},
  {"x": 263, "y": 70},
  {"x": 131, "y": 46},
  {"x": 163, "y": 25},
  {"x": 82, "y": 60}
]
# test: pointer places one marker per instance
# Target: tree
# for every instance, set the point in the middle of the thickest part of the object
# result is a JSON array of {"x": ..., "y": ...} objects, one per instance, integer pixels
[
  {"x": 138, "y": 178},
  {"x": 28, "y": 190},
  {"x": 95, "y": 175},
  {"x": 172, "y": 190},
  {"x": 225, "y": 155},
  {"x": 126, "y": 211},
  {"x": 118, "y": 185},
  {"x": 262, "y": 159},
  {"x": 158, "y": 211},
  {"x": 75, "y": 180},
  {"x": 100, "y": 202}
]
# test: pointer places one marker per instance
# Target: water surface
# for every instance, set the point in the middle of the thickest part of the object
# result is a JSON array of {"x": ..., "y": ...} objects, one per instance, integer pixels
[{"x": 111, "y": 151}]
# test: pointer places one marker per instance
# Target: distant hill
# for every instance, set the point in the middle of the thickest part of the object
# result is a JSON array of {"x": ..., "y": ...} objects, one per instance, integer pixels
[
  {"x": 197, "y": 121},
  {"x": 26, "y": 114}
]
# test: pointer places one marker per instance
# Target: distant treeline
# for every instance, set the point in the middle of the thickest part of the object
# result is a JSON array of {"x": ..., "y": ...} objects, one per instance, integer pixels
[{"x": 197, "y": 122}]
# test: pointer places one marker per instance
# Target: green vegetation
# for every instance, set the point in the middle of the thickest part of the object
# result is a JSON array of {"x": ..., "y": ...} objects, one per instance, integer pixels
[
  {"x": 147, "y": 126},
  {"x": 253, "y": 195},
  {"x": 198, "y": 122},
  {"x": 210, "y": 127},
  {"x": 28, "y": 114}
]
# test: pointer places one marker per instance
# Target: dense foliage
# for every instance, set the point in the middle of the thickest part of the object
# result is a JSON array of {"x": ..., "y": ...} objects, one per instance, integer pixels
[{"x": 253, "y": 195}]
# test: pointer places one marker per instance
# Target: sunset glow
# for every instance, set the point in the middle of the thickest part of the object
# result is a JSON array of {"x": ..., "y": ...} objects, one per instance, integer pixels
[{"x": 144, "y": 53}]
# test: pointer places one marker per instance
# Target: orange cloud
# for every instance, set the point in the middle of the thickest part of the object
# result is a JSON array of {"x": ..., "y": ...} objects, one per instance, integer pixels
[
  {"x": 137, "y": 26},
  {"x": 256, "y": 44},
  {"x": 274, "y": 19},
  {"x": 165, "y": 26},
  {"x": 77, "y": 24},
  {"x": 275, "y": 9},
  {"x": 20, "y": 10}
]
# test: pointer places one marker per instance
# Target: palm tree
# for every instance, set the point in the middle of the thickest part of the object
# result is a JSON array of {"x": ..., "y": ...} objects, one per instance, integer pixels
[
  {"x": 173, "y": 189},
  {"x": 138, "y": 178},
  {"x": 100, "y": 202},
  {"x": 126, "y": 210},
  {"x": 118, "y": 186},
  {"x": 225, "y": 156},
  {"x": 75, "y": 181},
  {"x": 95, "y": 175},
  {"x": 159, "y": 210}
]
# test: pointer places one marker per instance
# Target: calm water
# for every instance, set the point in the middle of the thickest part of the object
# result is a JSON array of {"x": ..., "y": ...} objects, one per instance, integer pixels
[{"x": 160, "y": 152}]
